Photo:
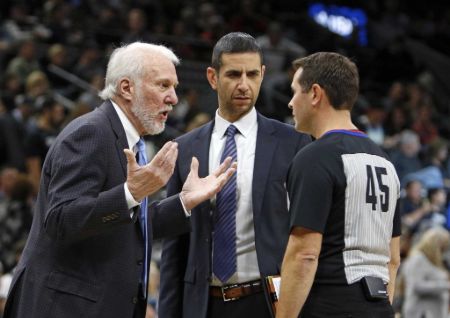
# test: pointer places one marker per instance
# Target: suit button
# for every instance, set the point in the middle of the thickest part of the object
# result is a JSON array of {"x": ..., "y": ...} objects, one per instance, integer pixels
[
  {"x": 134, "y": 300},
  {"x": 139, "y": 263}
]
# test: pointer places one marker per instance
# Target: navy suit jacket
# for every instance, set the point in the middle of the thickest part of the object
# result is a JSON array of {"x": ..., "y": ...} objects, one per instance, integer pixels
[
  {"x": 186, "y": 260},
  {"x": 84, "y": 254}
]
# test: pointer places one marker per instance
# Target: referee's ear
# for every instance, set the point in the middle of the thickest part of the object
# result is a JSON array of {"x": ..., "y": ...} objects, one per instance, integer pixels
[{"x": 317, "y": 95}]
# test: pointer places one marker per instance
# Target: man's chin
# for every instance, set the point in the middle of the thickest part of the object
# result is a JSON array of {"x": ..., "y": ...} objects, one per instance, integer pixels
[
  {"x": 155, "y": 129},
  {"x": 245, "y": 103}
]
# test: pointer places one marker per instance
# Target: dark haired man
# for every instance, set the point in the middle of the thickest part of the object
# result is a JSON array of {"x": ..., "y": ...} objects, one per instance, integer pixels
[
  {"x": 345, "y": 228},
  {"x": 236, "y": 240}
]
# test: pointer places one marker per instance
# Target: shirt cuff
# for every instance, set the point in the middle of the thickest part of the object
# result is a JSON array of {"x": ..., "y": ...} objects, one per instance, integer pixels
[
  {"x": 186, "y": 212},
  {"x": 131, "y": 202}
]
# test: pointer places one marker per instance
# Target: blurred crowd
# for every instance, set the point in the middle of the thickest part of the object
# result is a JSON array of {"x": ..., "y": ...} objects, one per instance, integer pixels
[{"x": 53, "y": 55}]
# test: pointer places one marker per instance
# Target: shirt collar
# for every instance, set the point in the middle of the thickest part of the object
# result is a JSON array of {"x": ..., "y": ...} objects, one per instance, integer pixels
[
  {"x": 130, "y": 131},
  {"x": 243, "y": 124}
]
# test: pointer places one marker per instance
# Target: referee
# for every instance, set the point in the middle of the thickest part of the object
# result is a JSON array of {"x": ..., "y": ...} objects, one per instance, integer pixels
[{"x": 343, "y": 251}]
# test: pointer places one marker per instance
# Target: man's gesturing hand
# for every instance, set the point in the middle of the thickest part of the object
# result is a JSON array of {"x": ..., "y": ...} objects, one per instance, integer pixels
[
  {"x": 196, "y": 190},
  {"x": 145, "y": 180}
]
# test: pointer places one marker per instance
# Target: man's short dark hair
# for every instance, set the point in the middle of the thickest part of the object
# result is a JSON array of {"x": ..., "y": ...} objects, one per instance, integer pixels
[
  {"x": 335, "y": 73},
  {"x": 234, "y": 42}
]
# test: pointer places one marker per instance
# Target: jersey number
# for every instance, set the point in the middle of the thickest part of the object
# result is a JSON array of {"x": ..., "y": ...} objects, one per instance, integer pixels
[{"x": 371, "y": 197}]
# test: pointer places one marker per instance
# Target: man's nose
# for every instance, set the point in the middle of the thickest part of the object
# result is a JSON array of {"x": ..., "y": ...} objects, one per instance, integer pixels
[
  {"x": 243, "y": 83},
  {"x": 172, "y": 98}
]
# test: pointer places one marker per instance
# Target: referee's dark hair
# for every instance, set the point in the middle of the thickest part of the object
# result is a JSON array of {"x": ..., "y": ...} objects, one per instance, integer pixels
[
  {"x": 335, "y": 73},
  {"x": 234, "y": 42}
]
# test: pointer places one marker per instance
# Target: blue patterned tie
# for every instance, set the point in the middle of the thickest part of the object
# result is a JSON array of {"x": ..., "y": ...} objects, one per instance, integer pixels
[
  {"x": 142, "y": 160},
  {"x": 224, "y": 253}
]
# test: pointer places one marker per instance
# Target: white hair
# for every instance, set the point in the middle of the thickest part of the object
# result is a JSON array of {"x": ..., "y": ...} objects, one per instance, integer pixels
[{"x": 129, "y": 61}]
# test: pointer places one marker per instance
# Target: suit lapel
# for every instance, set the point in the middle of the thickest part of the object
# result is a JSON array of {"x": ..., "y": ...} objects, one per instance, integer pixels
[
  {"x": 200, "y": 148},
  {"x": 266, "y": 144},
  {"x": 116, "y": 125}
]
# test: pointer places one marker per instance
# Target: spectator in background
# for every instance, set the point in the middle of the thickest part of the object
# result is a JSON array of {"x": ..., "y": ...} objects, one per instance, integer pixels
[
  {"x": 37, "y": 86},
  {"x": 90, "y": 97},
  {"x": 89, "y": 62},
  {"x": 415, "y": 97},
  {"x": 24, "y": 110},
  {"x": 41, "y": 135},
  {"x": 25, "y": 61},
  {"x": 203, "y": 13},
  {"x": 21, "y": 24},
  {"x": 8, "y": 176},
  {"x": 15, "y": 219},
  {"x": 10, "y": 89},
  {"x": 187, "y": 108},
  {"x": 435, "y": 174},
  {"x": 57, "y": 66},
  {"x": 277, "y": 96},
  {"x": 197, "y": 121},
  {"x": 58, "y": 19},
  {"x": 372, "y": 123},
  {"x": 278, "y": 49},
  {"x": 136, "y": 27},
  {"x": 438, "y": 157},
  {"x": 249, "y": 17},
  {"x": 424, "y": 124},
  {"x": 181, "y": 30},
  {"x": 107, "y": 27},
  {"x": 437, "y": 215},
  {"x": 414, "y": 205},
  {"x": 406, "y": 156},
  {"x": 395, "y": 97},
  {"x": 215, "y": 27},
  {"x": 394, "y": 125},
  {"x": 13, "y": 130},
  {"x": 426, "y": 278}
]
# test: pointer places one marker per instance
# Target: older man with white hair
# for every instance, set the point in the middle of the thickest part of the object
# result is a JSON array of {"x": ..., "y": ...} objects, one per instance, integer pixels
[{"x": 90, "y": 244}]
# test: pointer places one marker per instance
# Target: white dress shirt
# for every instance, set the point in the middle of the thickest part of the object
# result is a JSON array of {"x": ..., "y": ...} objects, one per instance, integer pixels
[
  {"x": 132, "y": 138},
  {"x": 247, "y": 263}
]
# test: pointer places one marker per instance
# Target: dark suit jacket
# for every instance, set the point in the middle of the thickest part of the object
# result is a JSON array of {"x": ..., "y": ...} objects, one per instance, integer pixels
[
  {"x": 84, "y": 254},
  {"x": 186, "y": 261}
]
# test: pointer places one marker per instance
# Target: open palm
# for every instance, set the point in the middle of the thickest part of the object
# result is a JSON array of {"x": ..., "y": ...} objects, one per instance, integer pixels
[{"x": 196, "y": 190}]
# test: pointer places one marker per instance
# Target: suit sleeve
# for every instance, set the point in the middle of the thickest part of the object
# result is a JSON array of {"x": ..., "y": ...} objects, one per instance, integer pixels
[
  {"x": 173, "y": 264},
  {"x": 78, "y": 204},
  {"x": 168, "y": 217}
]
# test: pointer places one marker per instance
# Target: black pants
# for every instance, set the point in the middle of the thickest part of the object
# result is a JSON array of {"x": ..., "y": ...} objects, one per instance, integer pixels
[
  {"x": 250, "y": 306},
  {"x": 339, "y": 301}
]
